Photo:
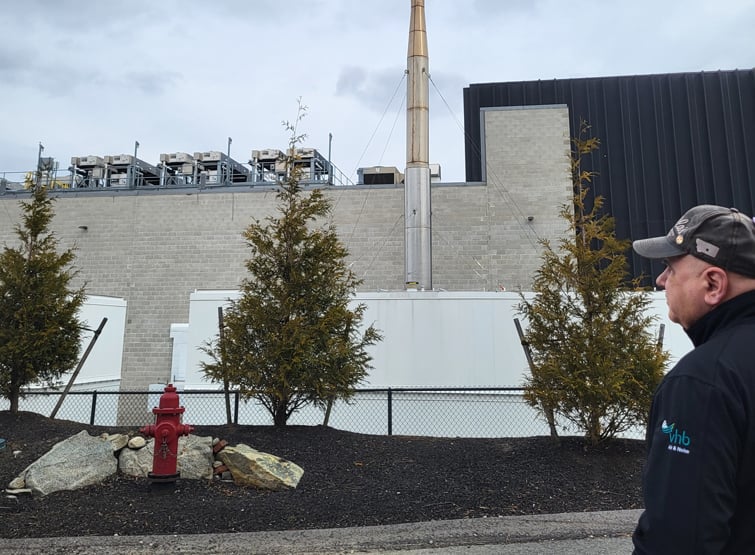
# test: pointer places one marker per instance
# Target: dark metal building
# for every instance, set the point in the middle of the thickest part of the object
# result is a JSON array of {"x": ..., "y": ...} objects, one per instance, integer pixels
[{"x": 668, "y": 142}]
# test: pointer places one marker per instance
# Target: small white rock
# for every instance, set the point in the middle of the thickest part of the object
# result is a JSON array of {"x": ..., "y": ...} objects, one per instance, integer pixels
[{"x": 136, "y": 442}]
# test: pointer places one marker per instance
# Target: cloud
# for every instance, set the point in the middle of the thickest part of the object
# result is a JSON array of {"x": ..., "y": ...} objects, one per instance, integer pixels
[
  {"x": 351, "y": 80},
  {"x": 377, "y": 90},
  {"x": 151, "y": 83},
  {"x": 486, "y": 8},
  {"x": 14, "y": 64}
]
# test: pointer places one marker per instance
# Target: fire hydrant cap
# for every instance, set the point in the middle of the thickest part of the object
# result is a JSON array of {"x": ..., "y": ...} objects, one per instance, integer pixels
[{"x": 169, "y": 399}]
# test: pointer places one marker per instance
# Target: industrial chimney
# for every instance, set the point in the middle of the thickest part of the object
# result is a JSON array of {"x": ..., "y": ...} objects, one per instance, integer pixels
[{"x": 418, "y": 226}]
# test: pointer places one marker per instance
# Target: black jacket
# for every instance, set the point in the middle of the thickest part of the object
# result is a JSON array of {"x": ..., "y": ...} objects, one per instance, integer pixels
[{"x": 699, "y": 479}]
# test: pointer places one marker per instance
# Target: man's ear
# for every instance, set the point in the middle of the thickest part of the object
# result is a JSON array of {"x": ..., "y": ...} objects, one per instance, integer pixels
[{"x": 717, "y": 285}]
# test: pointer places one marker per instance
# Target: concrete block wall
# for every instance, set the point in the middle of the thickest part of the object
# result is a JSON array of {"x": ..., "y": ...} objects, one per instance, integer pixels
[
  {"x": 155, "y": 248},
  {"x": 370, "y": 222},
  {"x": 527, "y": 169}
]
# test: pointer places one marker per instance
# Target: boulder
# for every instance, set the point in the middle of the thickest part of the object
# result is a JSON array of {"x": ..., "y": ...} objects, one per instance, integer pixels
[
  {"x": 136, "y": 462},
  {"x": 194, "y": 458},
  {"x": 250, "y": 467},
  {"x": 118, "y": 441},
  {"x": 76, "y": 462}
]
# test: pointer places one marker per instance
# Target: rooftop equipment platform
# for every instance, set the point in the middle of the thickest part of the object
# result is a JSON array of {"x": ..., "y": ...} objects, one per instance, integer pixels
[
  {"x": 179, "y": 169},
  {"x": 217, "y": 168},
  {"x": 126, "y": 170}
]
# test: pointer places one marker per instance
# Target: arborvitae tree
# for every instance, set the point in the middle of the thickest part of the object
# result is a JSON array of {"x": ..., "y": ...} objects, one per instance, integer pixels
[
  {"x": 291, "y": 338},
  {"x": 40, "y": 332},
  {"x": 595, "y": 361}
]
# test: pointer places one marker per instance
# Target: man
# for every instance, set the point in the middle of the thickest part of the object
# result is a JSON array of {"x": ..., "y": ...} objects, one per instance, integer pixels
[{"x": 699, "y": 478}]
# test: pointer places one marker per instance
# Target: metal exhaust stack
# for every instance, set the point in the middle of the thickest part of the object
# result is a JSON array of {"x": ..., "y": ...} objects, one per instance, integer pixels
[{"x": 418, "y": 226}]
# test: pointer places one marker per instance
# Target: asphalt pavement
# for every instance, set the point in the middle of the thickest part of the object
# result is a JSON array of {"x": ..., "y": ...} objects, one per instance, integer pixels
[{"x": 592, "y": 533}]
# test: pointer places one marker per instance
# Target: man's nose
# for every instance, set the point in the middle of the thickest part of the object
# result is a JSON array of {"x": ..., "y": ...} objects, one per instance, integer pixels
[{"x": 660, "y": 281}]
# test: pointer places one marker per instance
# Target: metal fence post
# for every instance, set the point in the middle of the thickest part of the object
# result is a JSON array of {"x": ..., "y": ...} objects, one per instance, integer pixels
[
  {"x": 236, "y": 407},
  {"x": 94, "y": 407},
  {"x": 390, "y": 412}
]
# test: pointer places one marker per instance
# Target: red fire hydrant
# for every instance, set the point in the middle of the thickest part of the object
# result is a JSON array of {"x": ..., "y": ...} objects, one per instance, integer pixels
[{"x": 166, "y": 431}]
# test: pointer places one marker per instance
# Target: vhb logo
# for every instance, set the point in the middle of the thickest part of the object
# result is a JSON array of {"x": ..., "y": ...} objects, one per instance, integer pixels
[{"x": 674, "y": 436}]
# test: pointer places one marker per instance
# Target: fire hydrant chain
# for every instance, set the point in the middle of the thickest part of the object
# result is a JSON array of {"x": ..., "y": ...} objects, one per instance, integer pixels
[{"x": 164, "y": 449}]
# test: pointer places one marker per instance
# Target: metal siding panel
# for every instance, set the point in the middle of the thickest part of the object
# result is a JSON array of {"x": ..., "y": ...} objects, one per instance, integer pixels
[
  {"x": 736, "y": 136},
  {"x": 745, "y": 117},
  {"x": 671, "y": 178},
  {"x": 472, "y": 161},
  {"x": 681, "y": 138},
  {"x": 667, "y": 182},
  {"x": 717, "y": 158}
]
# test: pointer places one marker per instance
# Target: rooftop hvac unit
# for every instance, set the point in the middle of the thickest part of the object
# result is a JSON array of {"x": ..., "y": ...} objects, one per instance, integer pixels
[
  {"x": 118, "y": 180},
  {"x": 88, "y": 161},
  {"x": 280, "y": 167},
  {"x": 119, "y": 159},
  {"x": 435, "y": 172},
  {"x": 210, "y": 156},
  {"x": 380, "y": 175},
  {"x": 176, "y": 158},
  {"x": 304, "y": 152},
  {"x": 267, "y": 155},
  {"x": 208, "y": 177}
]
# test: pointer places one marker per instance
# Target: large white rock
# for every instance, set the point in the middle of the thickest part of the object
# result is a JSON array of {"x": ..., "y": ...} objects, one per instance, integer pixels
[
  {"x": 250, "y": 467},
  {"x": 194, "y": 458},
  {"x": 79, "y": 461}
]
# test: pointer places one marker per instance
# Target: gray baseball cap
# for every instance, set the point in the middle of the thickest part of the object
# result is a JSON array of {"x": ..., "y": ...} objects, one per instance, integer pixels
[{"x": 721, "y": 236}]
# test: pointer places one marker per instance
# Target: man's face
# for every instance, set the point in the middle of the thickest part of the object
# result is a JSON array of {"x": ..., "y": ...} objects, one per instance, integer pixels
[{"x": 685, "y": 283}]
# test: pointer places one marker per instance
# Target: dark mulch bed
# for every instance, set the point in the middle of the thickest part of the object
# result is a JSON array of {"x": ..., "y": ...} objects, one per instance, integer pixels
[{"x": 349, "y": 480}]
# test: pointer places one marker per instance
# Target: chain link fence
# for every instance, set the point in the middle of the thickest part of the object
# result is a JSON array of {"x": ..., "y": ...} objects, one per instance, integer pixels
[{"x": 437, "y": 412}]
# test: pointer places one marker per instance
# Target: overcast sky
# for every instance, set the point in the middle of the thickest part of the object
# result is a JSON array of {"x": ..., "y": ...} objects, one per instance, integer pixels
[{"x": 91, "y": 77}]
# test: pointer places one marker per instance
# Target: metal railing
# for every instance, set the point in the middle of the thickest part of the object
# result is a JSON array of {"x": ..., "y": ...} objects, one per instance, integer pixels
[
  {"x": 130, "y": 177},
  {"x": 437, "y": 412}
]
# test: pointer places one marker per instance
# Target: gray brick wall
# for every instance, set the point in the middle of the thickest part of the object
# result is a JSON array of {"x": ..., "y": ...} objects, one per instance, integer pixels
[{"x": 155, "y": 248}]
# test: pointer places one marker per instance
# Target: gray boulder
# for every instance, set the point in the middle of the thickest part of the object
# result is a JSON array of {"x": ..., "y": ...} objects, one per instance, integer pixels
[
  {"x": 195, "y": 457},
  {"x": 137, "y": 462},
  {"x": 79, "y": 461}
]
